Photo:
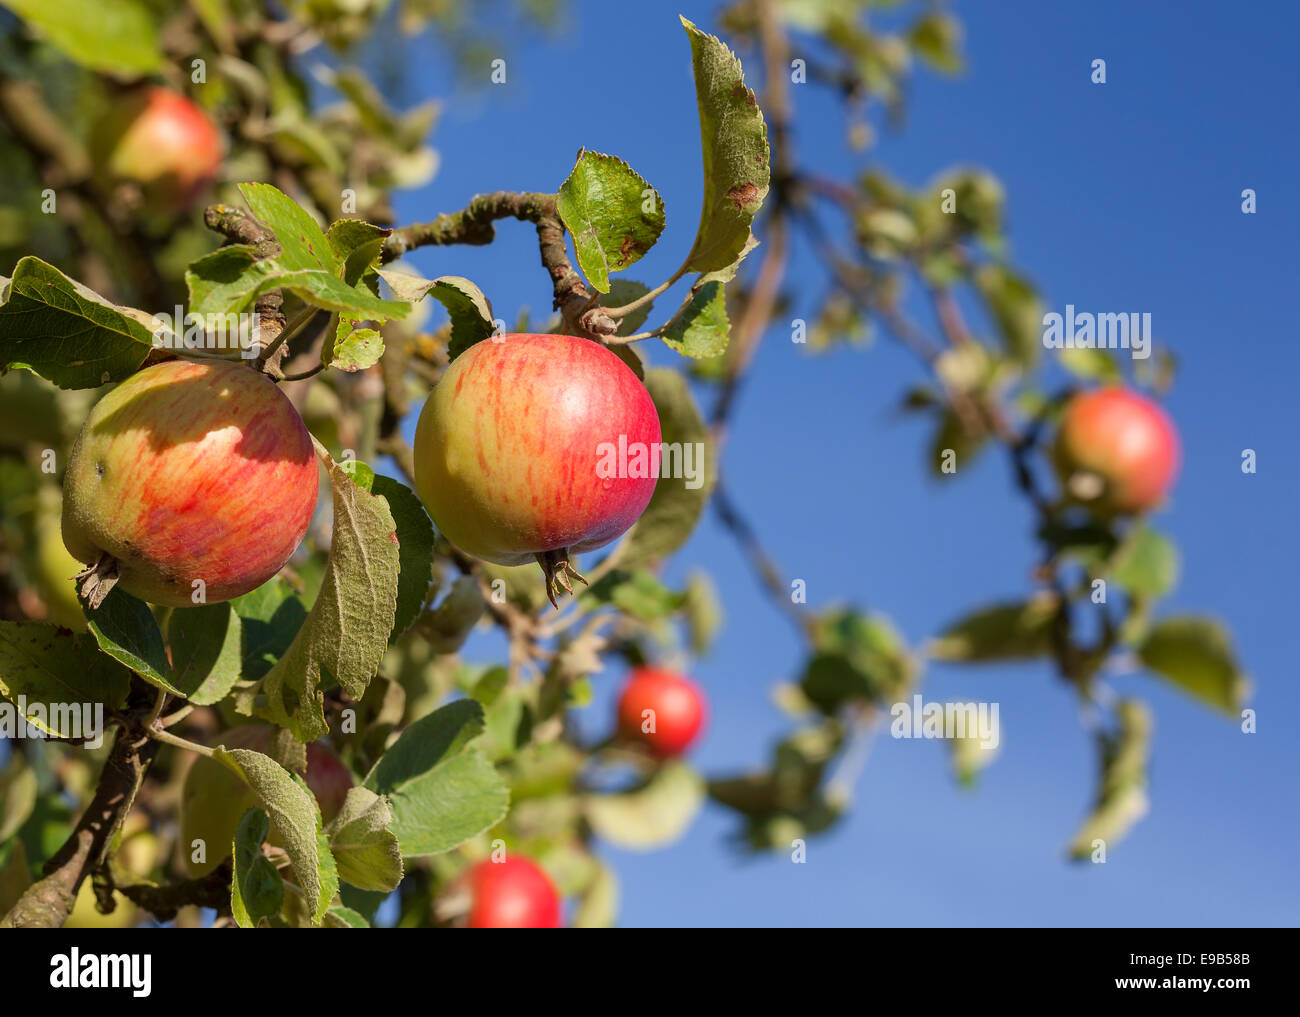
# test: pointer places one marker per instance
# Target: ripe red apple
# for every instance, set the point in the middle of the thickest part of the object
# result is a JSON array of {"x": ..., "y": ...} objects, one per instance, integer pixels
[
  {"x": 1116, "y": 450},
  {"x": 161, "y": 141},
  {"x": 536, "y": 446},
  {"x": 661, "y": 710},
  {"x": 214, "y": 800},
  {"x": 189, "y": 471},
  {"x": 512, "y": 894}
]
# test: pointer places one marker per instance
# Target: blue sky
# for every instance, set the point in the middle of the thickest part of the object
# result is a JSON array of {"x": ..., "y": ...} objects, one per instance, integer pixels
[{"x": 1124, "y": 196}]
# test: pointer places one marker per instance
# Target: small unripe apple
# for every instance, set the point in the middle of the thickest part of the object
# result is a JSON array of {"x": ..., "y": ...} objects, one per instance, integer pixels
[
  {"x": 662, "y": 710},
  {"x": 1116, "y": 451},
  {"x": 514, "y": 893},
  {"x": 536, "y": 447},
  {"x": 163, "y": 142},
  {"x": 190, "y": 471},
  {"x": 214, "y": 799}
]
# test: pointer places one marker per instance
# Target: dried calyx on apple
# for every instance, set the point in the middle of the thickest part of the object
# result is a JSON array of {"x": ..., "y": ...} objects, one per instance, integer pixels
[{"x": 509, "y": 448}]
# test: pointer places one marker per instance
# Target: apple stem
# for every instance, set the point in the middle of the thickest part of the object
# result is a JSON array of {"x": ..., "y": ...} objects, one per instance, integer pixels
[
  {"x": 98, "y": 580},
  {"x": 557, "y": 570}
]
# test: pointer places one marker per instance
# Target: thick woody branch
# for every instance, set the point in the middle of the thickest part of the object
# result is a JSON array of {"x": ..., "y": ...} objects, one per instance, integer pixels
[
  {"x": 163, "y": 902},
  {"x": 473, "y": 225},
  {"x": 46, "y": 904}
]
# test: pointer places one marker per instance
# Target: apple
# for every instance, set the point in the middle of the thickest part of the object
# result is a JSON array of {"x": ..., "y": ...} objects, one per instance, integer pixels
[
  {"x": 214, "y": 799},
  {"x": 1116, "y": 451},
  {"x": 161, "y": 141},
  {"x": 661, "y": 710},
  {"x": 188, "y": 471},
  {"x": 536, "y": 447},
  {"x": 514, "y": 893}
]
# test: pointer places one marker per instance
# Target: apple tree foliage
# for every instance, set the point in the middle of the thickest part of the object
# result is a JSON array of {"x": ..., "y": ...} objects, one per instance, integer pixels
[{"x": 358, "y": 640}]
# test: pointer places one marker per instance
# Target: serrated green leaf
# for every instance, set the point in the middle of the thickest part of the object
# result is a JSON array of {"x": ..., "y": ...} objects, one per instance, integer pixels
[
  {"x": 270, "y": 618},
  {"x": 415, "y": 538},
  {"x": 701, "y": 330},
  {"x": 126, "y": 630},
  {"x": 346, "y": 633},
  {"x": 605, "y": 206},
  {"x": 256, "y": 889},
  {"x": 293, "y": 814},
  {"x": 206, "y": 651},
  {"x": 441, "y": 790},
  {"x": 358, "y": 350},
  {"x": 470, "y": 312},
  {"x": 46, "y": 664},
  {"x": 55, "y": 327},
  {"x": 734, "y": 140},
  {"x": 364, "y": 848},
  {"x": 1196, "y": 655}
]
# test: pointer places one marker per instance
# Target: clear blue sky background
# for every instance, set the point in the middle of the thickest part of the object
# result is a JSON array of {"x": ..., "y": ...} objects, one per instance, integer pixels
[{"x": 1121, "y": 197}]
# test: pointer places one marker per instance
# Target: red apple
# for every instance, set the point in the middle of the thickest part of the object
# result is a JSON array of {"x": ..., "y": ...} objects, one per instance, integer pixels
[
  {"x": 162, "y": 141},
  {"x": 1116, "y": 450},
  {"x": 190, "y": 471},
  {"x": 214, "y": 799},
  {"x": 512, "y": 894},
  {"x": 536, "y": 446},
  {"x": 661, "y": 710}
]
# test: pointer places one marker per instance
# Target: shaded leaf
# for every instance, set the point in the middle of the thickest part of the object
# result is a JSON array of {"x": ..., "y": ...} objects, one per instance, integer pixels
[{"x": 613, "y": 220}]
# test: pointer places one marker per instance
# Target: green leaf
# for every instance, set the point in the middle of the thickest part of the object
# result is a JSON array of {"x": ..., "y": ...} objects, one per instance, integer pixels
[
  {"x": 363, "y": 846},
  {"x": 1145, "y": 564},
  {"x": 1091, "y": 363},
  {"x": 678, "y": 502},
  {"x": 126, "y": 630},
  {"x": 1015, "y": 307},
  {"x": 339, "y": 917},
  {"x": 227, "y": 280},
  {"x": 18, "y": 789},
  {"x": 270, "y": 618},
  {"x": 358, "y": 350},
  {"x": 1122, "y": 794},
  {"x": 734, "y": 140},
  {"x": 442, "y": 791},
  {"x": 55, "y": 327},
  {"x": 207, "y": 651},
  {"x": 356, "y": 245},
  {"x": 638, "y": 594},
  {"x": 624, "y": 291},
  {"x": 470, "y": 311},
  {"x": 303, "y": 244},
  {"x": 415, "y": 544},
  {"x": 1196, "y": 655},
  {"x": 701, "y": 330},
  {"x": 46, "y": 664},
  {"x": 703, "y": 611},
  {"x": 256, "y": 891},
  {"x": 1003, "y": 632},
  {"x": 856, "y": 657},
  {"x": 346, "y": 633},
  {"x": 651, "y": 816},
  {"x": 937, "y": 40},
  {"x": 598, "y": 906},
  {"x": 294, "y": 817},
  {"x": 120, "y": 37},
  {"x": 603, "y": 204}
]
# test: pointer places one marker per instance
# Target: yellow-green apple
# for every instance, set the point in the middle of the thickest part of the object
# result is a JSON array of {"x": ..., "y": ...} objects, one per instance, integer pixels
[
  {"x": 161, "y": 141},
  {"x": 214, "y": 799},
  {"x": 661, "y": 710},
  {"x": 1116, "y": 451},
  {"x": 536, "y": 447},
  {"x": 189, "y": 477}
]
